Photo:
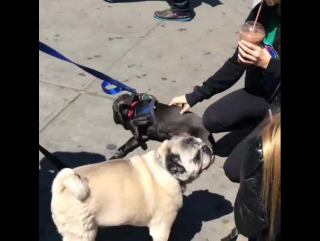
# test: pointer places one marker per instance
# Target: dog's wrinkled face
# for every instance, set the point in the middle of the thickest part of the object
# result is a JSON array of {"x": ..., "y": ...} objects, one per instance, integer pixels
[{"x": 186, "y": 157}]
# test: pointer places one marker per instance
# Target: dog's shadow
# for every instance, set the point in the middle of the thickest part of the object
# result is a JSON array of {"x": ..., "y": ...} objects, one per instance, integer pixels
[{"x": 199, "y": 206}]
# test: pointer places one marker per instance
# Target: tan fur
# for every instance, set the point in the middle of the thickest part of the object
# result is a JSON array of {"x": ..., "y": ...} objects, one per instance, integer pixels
[{"x": 136, "y": 192}]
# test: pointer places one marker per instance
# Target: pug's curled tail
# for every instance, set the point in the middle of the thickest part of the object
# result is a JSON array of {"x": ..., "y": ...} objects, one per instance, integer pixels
[{"x": 68, "y": 179}]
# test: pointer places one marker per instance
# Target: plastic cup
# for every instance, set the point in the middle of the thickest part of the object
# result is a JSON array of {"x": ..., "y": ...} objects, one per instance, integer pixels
[{"x": 252, "y": 34}]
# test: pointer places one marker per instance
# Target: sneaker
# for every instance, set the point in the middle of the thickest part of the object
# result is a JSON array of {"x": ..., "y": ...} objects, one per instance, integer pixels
[{"x": 172, "y": 15}]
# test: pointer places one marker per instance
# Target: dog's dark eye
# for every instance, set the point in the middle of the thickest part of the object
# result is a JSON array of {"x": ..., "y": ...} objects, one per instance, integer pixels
[
  {"x": 175, "y": 158},
  {"x": 173, "y": 164}
]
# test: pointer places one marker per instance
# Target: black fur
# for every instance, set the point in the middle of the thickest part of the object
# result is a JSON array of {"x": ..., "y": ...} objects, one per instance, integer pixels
[{"x": 169, "y": 123}]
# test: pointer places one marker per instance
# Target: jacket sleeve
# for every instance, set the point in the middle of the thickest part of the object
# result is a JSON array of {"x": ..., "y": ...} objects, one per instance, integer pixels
[
  {"x": 274, "y": 68},
  {"x": 248, "y": 209},
  {"x": 224, "y": 78}
]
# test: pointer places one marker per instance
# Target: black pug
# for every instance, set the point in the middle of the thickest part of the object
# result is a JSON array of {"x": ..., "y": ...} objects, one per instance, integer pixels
[{"x": 147, "y": 119}]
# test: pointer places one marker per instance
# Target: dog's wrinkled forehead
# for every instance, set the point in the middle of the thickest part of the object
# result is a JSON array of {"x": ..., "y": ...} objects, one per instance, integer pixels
[{"x": 181, "y": 145}]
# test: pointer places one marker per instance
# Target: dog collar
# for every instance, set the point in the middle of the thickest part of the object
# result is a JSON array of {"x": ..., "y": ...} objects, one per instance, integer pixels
[{"x": 161, "y": 162}]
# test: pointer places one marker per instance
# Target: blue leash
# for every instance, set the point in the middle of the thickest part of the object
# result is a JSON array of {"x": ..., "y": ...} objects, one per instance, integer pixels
[{"x": 106, "y": 79}]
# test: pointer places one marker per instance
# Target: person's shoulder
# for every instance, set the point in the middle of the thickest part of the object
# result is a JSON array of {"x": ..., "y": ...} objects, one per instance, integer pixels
[
  {"x": 265, "y": 14},
  {"x": 254, "y": 11},
  {"x": 254, "y": 159}
]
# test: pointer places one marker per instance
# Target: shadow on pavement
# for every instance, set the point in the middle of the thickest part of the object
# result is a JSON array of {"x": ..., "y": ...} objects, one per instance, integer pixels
[{"x": 199, "y": 206}]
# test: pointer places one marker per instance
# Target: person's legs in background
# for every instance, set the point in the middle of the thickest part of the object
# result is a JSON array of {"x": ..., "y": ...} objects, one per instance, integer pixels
[
  {"x": 180, "y": 11},
  {"x": 235, "y": 111},
  {"x": 238, "y": 110},
  {"x": 232, "y": 165}
]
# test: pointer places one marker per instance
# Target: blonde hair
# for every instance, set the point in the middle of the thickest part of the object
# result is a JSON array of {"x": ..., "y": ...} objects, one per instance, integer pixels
[{"x": 271, "y": 188}]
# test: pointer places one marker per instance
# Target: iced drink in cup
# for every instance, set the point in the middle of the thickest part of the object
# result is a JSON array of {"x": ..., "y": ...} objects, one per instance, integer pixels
[{"x": 252, "y": 34}]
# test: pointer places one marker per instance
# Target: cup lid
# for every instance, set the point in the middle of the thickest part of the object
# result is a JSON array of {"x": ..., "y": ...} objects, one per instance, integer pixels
[{"x": 248, "y": 27}]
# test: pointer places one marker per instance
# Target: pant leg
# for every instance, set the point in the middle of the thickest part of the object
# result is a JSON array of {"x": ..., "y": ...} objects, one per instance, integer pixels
[
  {"x": 181, "y": 6},
  {"x": 235, "y": 111},
  {"x": 233, "y": 164}
]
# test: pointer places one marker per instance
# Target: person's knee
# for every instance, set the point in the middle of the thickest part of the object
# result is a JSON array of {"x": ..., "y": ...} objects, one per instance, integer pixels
[
  {"x": 211, "y": 121},
  {"x": 231, "y": 171}
]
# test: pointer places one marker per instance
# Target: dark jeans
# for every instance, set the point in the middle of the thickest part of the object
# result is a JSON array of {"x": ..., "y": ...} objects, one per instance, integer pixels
[
  {"x": 180, "y": 6},
  {"x": 238, "y": 110}
]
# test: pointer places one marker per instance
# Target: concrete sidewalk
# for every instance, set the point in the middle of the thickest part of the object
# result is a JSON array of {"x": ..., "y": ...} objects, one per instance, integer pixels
[{"x": 165, "y": 59}]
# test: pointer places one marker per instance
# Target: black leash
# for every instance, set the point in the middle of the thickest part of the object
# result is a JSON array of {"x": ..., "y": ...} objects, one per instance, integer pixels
[{"x": 54, "y": 160}]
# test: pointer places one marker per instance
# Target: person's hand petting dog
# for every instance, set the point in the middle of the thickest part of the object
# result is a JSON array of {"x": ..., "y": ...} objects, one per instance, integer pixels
[
  {"x": 181, "y": 100},
  {"x": 253, "y": 54}
]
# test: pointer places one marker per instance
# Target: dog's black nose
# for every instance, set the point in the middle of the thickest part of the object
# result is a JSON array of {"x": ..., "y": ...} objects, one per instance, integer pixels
[{"x": 206, "y": 149}]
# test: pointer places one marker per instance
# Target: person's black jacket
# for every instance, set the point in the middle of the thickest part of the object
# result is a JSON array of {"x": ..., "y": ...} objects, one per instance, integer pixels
[
  {"x": 249, "y": 213},
  {"x": 232, "y": 70}
]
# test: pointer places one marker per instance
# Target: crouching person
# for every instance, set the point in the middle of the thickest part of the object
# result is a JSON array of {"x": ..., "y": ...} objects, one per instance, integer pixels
[{"x": 257, "y": 207}]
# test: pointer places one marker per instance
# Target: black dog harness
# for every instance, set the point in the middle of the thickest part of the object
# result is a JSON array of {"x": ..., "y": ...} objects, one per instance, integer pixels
[{"x": 145, "y": 106}]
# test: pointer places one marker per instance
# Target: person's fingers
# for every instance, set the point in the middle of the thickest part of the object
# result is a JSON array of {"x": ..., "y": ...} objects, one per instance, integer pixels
[
  {"x": 241, "y": 60},
  {"x": 245, "y": 49},
  {"x": 249, "y": 45},
  {"x": 246, "y": 56},
  {"x": 185, "y": 108},
  {"x": 250, "y": 51},
  {"x": 244, "y": 61},
  {"x": 178, "y": 100},
  {"x": 173, "y": 101}
]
